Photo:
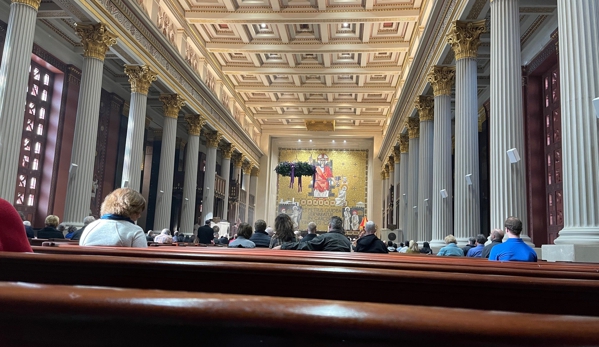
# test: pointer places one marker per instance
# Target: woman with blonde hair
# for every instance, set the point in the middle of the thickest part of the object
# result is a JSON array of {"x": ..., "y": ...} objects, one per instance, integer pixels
[
  {"x": 117, "y": 227},
  {"x": 452, "y": 248},
  {"x": 413, "y": 248},
  {"x": 283, "y": 230},
  {"x": 50, "y": 231}
]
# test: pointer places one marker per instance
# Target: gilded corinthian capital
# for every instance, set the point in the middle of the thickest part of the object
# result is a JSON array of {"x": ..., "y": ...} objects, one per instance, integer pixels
[
  {"x": 425, "y": 105},
  {"x": 464, "y": 38},
  {"x": 414, "y": 127},
  {"x": 195, "y": 123},
  {"x": 396, "y": 154},
  {"x": 140, "y": 77},
  {"x": 404, "y": 143},
  {"x": 95, "y": 39},
  {"x": 441, "y": 79},
  {"x": 32, "y": 3},
  {"x": 171, "y": 104},
  {"x": 213, "y": 139},
  {"x": 228, "y": 150}
]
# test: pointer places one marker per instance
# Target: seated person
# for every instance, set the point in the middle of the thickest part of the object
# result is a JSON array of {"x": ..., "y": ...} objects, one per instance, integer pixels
[
  {"x": 390, "y": 247},
  {"x": 50, "y": 231},
  {"x": 514, "y": 248},
  {"x": 70, "y": 232},
  {"x": 333, "y": 241},
  {"x": 260, "y": 237},
  {"x": 28, "y": 228},
  {"x": 477, "y": 251},
  {"x": 86, "y": 221},
  {"x": 244, "y": 233},
  {"x": 117, "y": 227},
  {"x": 164, "y": 237},
  {"x": 413, "y": 249},
  {"x": 368, "y": 242},
  {"x": 452, "y": 248},
  {"x": 12, "y": 231},
  {"x": 426, "y": 248}
]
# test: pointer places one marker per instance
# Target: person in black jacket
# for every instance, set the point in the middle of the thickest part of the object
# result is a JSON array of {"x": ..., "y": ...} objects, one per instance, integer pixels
[
  {"x": 496, "y": 239},
  {"x": 311, "y": 232},
  {"x": 206, "y": 233},
  {"x": 333, "y": 241},
  {"x": 50, "y": 231},
  {"x": 369, "y": 243}
]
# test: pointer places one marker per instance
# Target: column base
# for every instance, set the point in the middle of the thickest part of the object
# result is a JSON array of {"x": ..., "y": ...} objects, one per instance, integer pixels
[
  {"x": 578, "y": 236},
  {"x": 571, "y": 253},
  {"x": 437, "y": 244}
]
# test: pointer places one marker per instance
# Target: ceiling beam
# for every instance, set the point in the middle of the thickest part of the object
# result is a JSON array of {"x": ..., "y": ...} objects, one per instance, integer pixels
[
  {"x": 316, "y": 48},
  {"x": 323, "y": 103},
  {"x": 301, "y": 16},
  {"x": 319, "y": 117},
  {"x": 245, "y": 70},
  {"x": 312, "y": 89}
]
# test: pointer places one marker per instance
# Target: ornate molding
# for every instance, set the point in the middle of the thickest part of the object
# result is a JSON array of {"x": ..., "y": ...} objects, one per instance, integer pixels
[
  {"x": 396, "y": 154},
  {"x": 227, "y": 150},
  {"x": 96, "y": 39},
  {"x": 391, "y": 163},
  {"x": 140, "y": 77},
  {"x": 441, "y": 79},
  {"x": 414, "y": 127},
  {"x": 425, "y": 105},
  {"x": 404, "y": 143},
  {"x": 32, "y": 3},
  {"x": 172, "y": 103},
  {"x": 238, "y": 160},
  {"x": 255, "y": 171},
  {"x": 195, "y": 123},
  {"x": 464, "y": 38},
  {"x": 247, "y": 168},
  {"x": 213, "y": 139}
]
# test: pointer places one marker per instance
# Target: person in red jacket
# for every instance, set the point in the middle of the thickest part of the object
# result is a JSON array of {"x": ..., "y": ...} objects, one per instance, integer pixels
[{"x": 12, "y": 231}]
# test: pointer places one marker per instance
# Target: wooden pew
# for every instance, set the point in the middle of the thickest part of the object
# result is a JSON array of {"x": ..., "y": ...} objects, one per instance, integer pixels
[
  {"x": 43, "y": 315},
  {"x": 360, "y": 260},
  {"x": 435, "y": 288}
]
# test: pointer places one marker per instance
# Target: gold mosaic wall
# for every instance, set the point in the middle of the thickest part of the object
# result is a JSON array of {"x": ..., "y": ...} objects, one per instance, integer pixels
[{"x": 340, "y": 188}]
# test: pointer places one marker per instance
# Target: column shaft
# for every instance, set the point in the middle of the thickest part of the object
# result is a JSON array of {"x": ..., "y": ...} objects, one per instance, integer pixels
[
  {"x": 209, "y": 177},
  {"x": 403, "y": 193},
  {"x": 396, "y": 187},
  {"x": 412, "y": 208},
  {"x": 579, "y": 70},
  {"x": 135, "y": 142},
  {"x": 79, "y": 190},
  {"x": 425, "y": 181},
  {"x": 467, "y": 204},
  {"x": 507, "y": 180},
  {"x": 190, "y": 184},
  {"x": 164, "y": 198},
  {"x": 442, "y": 174},
  {"x": 14, "y": 75},
  {"x": 226, "y": 172},
  {"x": 384, "y": 195},
  {"x": 246, "y": 184},
  {"x": 253, "y": 191}
]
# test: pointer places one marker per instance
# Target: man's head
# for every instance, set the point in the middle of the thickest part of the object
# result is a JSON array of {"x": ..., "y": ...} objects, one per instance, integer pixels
[
  {"x": 497, "y": 235},
  {"x": 471, "y": 241},
  {"x": 311, "y": 228},
  {"x": 208, "y": 221},
  {"x": 370, "y": 227},
  {"x": 513, "y": 226},
  {"x": 244, "y": 230},
  {"x": 481, "y": 239},
  {"x": 260, "y": 225},
  {"x": 336, "y": 224},
  {"x": 88, "y": 220}
]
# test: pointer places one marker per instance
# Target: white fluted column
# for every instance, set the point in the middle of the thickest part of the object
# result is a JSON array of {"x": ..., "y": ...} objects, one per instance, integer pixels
[
  {"x": 96, "y": 40},
  {"x": 212, "y": 142},
  {"x": 237, "y": 164},
  {"x": 190, "y": 183},
  {"x": 384, "y": 196},
  {"x": 412, "y": 209},
  {"x": 140, "y": 78},
  {"x": 396, "y": 178},
  {"x": 14, "y": 76},
  {"x": 441, "y": 79},
  {"x": 247, "y": 169},
  {"x": 579, "y": 73},
  {"x": 226, "y": 173},
  {"x": 390, "y": 183},
  {"x": 464, "y": 39},
  {"x": 425, "y": 104},
  {"x": 172, "y": 104},
  {"x": 404, "y": 146},
  {"x": 507, "y": 180},
  {"x": 253, "y": 190}
]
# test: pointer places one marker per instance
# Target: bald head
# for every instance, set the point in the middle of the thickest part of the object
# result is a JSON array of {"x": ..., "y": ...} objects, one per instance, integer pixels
[
  {"x": 370, "y": 227},
  {"x": 497, "y": 234}
]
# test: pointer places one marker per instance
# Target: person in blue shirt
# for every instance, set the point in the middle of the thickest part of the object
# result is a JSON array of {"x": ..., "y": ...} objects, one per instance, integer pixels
[
  {"x": 514, "y": 249},
  {"x": 452, "y": 248},
  {"x": 476, "y": 252}
]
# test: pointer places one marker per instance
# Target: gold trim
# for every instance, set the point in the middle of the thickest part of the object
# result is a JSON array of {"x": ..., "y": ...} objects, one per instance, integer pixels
[
  {"x": 404, "y": 143},
  {"x": 195, "y": 123},
  {"x": 172, "y": 103},
  {"x": 228, "y": 150},
  {"x": 246, "y": 168},
  {"x": 425, "y": 105},
  {"x": 31, "y": 3},
  {"x": 397, "y": 154},
  {"x": 255, "y": 171},
  {"x": 96, "y": 39},
  {"x": 391, "y": 162},
  {"x": 140, "y": 77},
  {"x": 464, "y": 38},
  {"x": 414, "y": 127},
  {"x": 441, "y": 79},
  {"x": 213, "y": 139}
]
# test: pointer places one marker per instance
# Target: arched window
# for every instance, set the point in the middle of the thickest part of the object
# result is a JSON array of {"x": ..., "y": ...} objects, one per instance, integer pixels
[{"x": 35, "y": 125}]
